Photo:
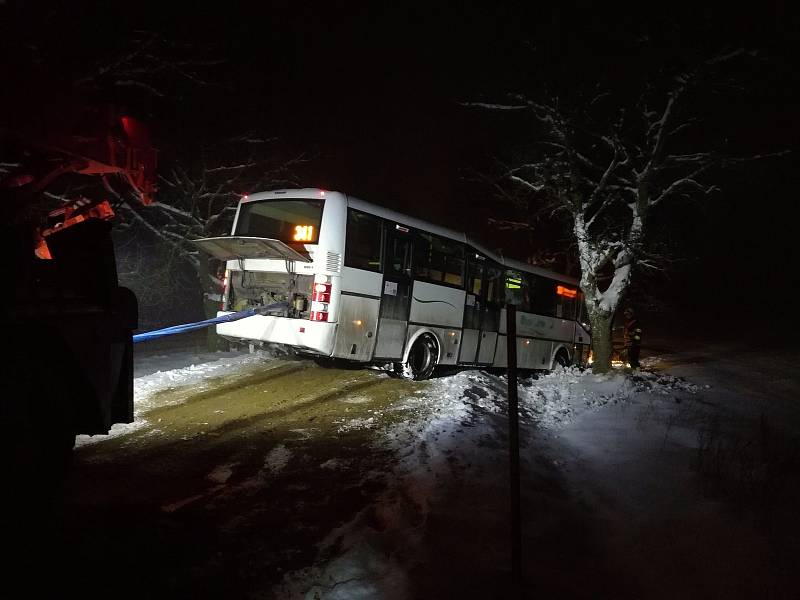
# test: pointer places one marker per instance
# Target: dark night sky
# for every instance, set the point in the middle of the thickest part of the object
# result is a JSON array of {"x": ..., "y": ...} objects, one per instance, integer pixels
[{"x": 370, "y": 95}]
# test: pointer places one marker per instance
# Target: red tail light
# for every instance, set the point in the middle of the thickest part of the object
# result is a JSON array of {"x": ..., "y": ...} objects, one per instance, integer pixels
[
  {"x": 322, "y": 292},
  {"x": 320, "y": 300}
]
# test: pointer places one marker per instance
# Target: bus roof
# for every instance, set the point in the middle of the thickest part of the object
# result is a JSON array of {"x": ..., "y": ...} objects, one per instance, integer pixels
[
  {"x": 386, "y": 213},
  {"x": 290, "y": 193}
]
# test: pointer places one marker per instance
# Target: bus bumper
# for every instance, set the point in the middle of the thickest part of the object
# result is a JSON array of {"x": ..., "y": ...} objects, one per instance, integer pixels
[{"x": 315, "y": 336}]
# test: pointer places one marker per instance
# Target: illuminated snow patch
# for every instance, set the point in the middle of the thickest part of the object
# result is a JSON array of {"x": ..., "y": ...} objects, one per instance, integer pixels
[
  {"x": 450, "y": 429},
  {"x": 355, "y": 400},
  {"x": 356, "y": 424}
]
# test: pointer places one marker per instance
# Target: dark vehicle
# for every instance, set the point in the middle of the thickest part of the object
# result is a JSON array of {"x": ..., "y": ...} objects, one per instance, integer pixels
[{"x": 66, "y": 321}]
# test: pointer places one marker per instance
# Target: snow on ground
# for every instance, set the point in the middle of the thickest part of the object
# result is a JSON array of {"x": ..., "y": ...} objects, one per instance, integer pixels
[
  {"x": 451, "y": 434},
  {"x": 455, "y": 427},
  {"x": 155, "y": 373}
]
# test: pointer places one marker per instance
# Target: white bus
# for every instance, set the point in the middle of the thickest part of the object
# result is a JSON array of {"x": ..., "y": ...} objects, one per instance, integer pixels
[{"x": 367, "y": 284}]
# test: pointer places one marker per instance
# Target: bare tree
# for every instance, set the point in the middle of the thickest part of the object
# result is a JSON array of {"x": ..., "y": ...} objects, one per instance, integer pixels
[
  {"x": 144, "y": 74},
  {"x": 608, "y": 164},
  {"x": 195, "y": 202}
]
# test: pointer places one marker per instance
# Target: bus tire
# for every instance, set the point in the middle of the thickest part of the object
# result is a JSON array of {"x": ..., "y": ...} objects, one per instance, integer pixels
[
  {"x": 422, "y": 359},
  {"x": 562, "y": 359},
  {"x": 326, "y": 362}
]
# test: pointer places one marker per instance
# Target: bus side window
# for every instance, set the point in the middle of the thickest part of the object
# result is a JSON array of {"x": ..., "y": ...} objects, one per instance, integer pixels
[
  {"x": 363, "y": 242},
  {"x": 422, "y": 256},
  {"x": 544, "y": 296},
  {"x": 398, "y": 256},
  {"x": 454, "y": 263},
  {"x": 474, "y": 303},
  {"x": 475, "y": 277},
  {"x": 495, "y": 293},
  {"x": 516, "y": 290},
  {"x": 565, "y": 307},
  {"x": 438, "y": 260},
  {"x": 528, "y": 291}
]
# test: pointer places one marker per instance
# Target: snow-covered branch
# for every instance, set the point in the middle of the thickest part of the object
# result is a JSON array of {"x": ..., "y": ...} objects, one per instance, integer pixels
[
  {"x": 688, "y": 183},
  {"x": 527, "y": 184},
  {"x": 688, "y": 159},
  {"x": 239, "y": 167},
  {"x": 175, "y": 211},
  {"x": 493, "y": 106},
  {"x": 599, "y": 189}
]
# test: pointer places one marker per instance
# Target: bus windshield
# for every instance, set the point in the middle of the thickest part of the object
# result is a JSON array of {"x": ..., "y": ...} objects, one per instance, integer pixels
[{"x": 290, "y": 221}]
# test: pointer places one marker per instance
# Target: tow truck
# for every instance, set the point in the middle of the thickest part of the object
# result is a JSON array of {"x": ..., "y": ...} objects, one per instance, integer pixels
[{"x": 67, "y": 324}]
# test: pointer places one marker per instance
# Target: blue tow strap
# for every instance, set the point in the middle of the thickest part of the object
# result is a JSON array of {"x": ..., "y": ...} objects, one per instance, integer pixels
[{"x": 242, "y": 314}]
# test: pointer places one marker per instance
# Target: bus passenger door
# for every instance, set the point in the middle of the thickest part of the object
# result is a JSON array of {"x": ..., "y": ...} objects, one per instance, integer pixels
[
  {"x": 395, "y": 296},
  {"x": 474, "y": 306},
  {"x": 494, "y": 297}
]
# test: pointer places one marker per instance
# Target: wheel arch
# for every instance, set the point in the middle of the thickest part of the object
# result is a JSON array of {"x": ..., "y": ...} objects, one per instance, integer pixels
[
  {"x": 418, "y": 334},
  {"x": 560, "y": 347}
]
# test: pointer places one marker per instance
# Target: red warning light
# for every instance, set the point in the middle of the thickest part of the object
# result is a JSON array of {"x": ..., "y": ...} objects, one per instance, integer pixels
[{"x": 566, "y": 292}]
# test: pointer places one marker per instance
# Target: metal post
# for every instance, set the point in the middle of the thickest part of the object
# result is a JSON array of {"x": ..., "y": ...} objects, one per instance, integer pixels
[{"x": 513, "y": 443}]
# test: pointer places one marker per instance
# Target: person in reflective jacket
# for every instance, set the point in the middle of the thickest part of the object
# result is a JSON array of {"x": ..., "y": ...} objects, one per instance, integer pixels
[{"x": 633, "y": 337}]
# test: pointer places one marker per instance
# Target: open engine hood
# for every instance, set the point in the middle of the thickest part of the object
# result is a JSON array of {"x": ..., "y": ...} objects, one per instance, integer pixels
[{"x": 239, "y": 247}]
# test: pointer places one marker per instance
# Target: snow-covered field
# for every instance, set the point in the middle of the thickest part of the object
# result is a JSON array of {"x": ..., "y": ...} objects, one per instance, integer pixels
[
  {"x": 454, "y": 438},
  {"x": 632, "y": 455}
]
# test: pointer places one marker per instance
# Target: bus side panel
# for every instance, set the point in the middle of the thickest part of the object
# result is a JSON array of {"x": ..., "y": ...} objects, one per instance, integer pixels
[
  {"x": 469, "y": 346},
  {"x": 367, "y": 286},
  {"x": 358, "y": 281},
  {"x": 392, "y": 338},
  {"x": 542, "y": 354},
  {"x": 437, "y": 305},
  {"x": 531, "y": 353},
  {"x": 487, "y": 349},
  {"x": 582, "y": 336},
  {"x": 563, "y": 331},
  {"x": 526, "y": 353},
  {"x": 540, "y": 326},
  {"x": 542, "y": 334},
  {"x": 501, "y": 356},
  {"x": 358, "y": 323}
]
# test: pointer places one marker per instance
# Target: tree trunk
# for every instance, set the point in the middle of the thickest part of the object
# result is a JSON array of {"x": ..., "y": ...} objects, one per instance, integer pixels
[{"x": 602, "y": 346}]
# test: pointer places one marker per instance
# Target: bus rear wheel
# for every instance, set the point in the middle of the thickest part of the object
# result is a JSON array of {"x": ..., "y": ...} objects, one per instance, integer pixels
[
  {"x": 562, "y": 359},
  {"x": 421, "y": 359}
]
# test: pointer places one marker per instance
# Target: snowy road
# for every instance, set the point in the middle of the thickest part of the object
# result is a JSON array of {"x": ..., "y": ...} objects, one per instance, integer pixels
[{"x": 253, "y": 476}]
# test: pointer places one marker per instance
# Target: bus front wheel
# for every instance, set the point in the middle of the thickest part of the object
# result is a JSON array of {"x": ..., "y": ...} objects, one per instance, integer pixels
[{"x": 422, "y": 359}]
